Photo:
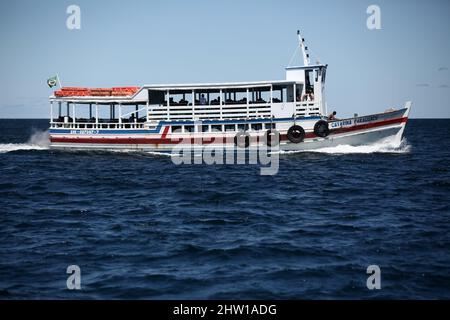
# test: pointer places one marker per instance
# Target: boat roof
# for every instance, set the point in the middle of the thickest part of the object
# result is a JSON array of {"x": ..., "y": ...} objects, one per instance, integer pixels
[
  {"x": 173, "y": 87},
  {"x": 99, "y": 99},
  {"x": 311, "y": 66},
  {"x": 219, "y": 85}
]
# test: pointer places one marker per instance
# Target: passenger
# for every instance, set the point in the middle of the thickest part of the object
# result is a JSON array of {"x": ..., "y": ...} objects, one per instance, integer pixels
[
  {"x": 202, "y": 99},
  {"x": 332, "y": 116}
]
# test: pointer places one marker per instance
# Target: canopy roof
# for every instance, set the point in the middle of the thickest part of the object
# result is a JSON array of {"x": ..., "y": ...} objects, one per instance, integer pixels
[{"x": 220, "y": 85}]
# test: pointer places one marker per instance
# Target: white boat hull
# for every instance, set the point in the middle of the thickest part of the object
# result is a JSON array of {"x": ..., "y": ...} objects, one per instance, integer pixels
[{"x": 354, "y": 132}]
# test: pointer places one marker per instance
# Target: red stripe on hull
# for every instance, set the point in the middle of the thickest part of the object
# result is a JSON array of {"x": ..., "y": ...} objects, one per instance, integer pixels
[
  {"x": 369, "y": 125},
  {"x": 164, "y": 140},
  {"x": 165, "y": 132}
]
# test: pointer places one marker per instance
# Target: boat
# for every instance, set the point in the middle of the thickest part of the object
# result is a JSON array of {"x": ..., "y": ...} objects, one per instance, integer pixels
[{"x": 289, "y": 114}]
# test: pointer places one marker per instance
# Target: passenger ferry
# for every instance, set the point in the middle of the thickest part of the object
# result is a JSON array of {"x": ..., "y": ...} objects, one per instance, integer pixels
[{"x": 288, "y": 114}]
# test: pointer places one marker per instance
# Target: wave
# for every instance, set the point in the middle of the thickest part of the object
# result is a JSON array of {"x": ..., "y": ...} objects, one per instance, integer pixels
[
  {"x": 161, "y": 154},
  {"x": 393, "y": 144},
  {"x": 39, "y": 140},
  {"x": 403, "y": 147}
]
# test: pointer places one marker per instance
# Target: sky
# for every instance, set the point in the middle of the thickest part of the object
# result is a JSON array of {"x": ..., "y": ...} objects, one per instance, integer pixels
[{"x": 134, "y": 42}]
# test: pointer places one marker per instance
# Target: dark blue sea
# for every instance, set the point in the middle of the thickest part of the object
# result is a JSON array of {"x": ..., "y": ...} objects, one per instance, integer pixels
[{"x": 141, "y": 227}]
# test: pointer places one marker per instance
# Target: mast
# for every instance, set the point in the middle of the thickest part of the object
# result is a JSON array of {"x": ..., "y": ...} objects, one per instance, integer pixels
[{"x": 304, "y": 48}]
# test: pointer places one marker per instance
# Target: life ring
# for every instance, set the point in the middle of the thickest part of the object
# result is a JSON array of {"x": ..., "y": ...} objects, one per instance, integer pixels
[
  {"x": 296, "y": 134},
  {"x": 272, "y": 137},
  {"x": 321, "y": 129},
  {"x": 242, "y": 139}
]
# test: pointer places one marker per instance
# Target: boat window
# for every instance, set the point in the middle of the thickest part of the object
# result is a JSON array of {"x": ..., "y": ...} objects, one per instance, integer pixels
[
  {"x": 180, "y": 97},
  {"x": 235, "y": 96},
  {"x": 309, "y": 76},
  {"x": 256, "y": 126},
  {"x": 156, "y": 97},
  {"x": 188, "y": 128},
  {"x": 290, "y": 93},
  {"x": 299, "y": 90},
  {"x": 207, "y": 97},
  {"x": 283, "y": 93},
  {"x": 214, "y": 98},
  {"x": 205, "y": 128},
  {"x": 269, "y": 126},
  {"x": 230, "y": 127},
  {"x": 216, "y": 128},
  {"x": 242, "y": 126},
  {"x": 176, "y": 129},
  {"x": 241, "y": 97},
  {"x": 277, "y": 94},
  {"x": 259, "y": 95}
]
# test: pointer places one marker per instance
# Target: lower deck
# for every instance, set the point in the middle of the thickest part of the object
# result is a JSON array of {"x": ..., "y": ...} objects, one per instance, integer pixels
[{"x": 166, "y": 134}]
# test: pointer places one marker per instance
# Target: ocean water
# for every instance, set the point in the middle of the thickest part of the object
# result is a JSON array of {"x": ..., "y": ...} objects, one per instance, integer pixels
[{"x": 141, "y": 227}]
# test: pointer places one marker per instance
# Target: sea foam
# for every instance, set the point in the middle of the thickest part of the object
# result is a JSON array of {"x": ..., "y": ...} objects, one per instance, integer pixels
[{"x": 39, "y": 140}]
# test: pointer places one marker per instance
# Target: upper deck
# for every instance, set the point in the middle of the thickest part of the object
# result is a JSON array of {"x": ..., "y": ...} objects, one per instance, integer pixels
[{"x": 190, "y": 102}]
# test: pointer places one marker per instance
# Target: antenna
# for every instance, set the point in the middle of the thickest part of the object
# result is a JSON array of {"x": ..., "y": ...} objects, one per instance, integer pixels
[{"x": 305, "y": 53}]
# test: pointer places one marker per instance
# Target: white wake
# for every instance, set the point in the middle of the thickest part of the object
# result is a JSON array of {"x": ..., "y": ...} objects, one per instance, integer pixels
[
  {"x": 393, "y": 144},
  {"x": 39, "y": 140},
  {"x": 403, "y": 147}
]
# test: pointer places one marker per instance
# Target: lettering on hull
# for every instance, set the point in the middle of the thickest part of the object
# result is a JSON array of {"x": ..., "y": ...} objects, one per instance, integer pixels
[{"x": 84, "y": 132}]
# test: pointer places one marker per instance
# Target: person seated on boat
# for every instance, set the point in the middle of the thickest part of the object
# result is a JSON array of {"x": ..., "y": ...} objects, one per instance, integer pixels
[
  {"x": 332, "y": 116},
  {"x": 202, "y": 99}
]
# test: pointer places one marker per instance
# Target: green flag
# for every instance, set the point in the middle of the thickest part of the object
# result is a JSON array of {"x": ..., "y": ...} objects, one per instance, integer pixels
[{"x": 53, "y": 81}]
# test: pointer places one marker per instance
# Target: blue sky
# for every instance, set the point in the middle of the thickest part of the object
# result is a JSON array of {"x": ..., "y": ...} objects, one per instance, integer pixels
[{"x": 134, "y": 42}]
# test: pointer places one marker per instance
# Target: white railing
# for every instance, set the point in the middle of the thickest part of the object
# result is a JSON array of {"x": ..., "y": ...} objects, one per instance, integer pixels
[
  {"x": 307, "y": 108},
  {"x": 193, "y": 113},
  {"x": 204, "y": 112},
  {"x": 96, "y": 126}
]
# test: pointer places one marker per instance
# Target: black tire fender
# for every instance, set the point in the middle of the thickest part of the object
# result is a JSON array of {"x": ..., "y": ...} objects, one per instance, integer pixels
[
  {"x": 321, "y": 129},
  {"x": 242, "y": 139},
  {"x": 272, "y": 137},
  {"x": 296, "y": 134}
]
